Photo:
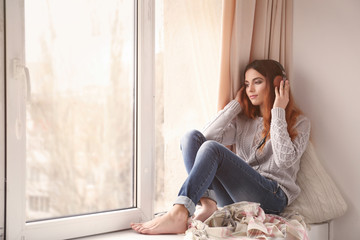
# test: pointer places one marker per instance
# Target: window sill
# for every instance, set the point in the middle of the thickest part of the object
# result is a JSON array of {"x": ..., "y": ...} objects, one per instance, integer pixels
[
  {"x": 317, "y": 231},
  {"x": 132, "y": 235}
]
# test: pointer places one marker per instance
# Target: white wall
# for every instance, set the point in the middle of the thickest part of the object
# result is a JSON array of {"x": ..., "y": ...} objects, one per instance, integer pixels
[{"x": 326, "y": 85}]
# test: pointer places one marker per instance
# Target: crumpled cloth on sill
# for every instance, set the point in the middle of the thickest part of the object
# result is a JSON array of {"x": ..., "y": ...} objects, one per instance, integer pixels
[{"x": 247, "y": 220}]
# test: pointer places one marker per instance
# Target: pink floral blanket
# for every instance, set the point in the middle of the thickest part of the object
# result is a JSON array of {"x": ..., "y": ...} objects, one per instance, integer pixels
[{"x": 246, "y": 220}]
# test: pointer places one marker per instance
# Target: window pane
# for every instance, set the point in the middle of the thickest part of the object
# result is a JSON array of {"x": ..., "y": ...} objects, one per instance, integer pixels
[
  {"x": 80, "y": 118},
  {"x": 187, "y": 65}
]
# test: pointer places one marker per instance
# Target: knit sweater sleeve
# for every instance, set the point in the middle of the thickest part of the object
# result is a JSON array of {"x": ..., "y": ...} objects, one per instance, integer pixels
[
  {"x": 222, "y": 128},
  {"x": 286, "y": 151}
]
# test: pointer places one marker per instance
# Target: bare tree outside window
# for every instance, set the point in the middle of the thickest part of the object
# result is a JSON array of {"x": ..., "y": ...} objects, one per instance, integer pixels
[{"x": 80, "y": 119}]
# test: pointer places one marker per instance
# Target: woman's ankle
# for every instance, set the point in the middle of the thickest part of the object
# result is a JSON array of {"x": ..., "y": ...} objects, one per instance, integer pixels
[
  {"x": 208, "y": 202},
  {"x": 179, "y": 210},
  {"x": 208, "y": 207}
]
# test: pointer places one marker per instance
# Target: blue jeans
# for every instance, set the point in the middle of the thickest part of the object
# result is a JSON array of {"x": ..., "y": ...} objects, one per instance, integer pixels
[{"x": 217, "y": 173}]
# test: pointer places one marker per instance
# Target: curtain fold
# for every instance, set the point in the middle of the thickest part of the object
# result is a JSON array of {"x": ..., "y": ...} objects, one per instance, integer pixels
[
  {"x": 227, "y": 18},
  {"x": 260, "y": 29}
]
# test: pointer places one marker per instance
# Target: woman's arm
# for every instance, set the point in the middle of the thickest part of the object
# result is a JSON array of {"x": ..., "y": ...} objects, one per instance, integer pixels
[
  {"x": 286, "y": 151},
  {"x": 223, "y": 126}
]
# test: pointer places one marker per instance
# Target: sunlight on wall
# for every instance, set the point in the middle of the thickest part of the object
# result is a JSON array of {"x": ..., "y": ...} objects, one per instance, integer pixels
[{"x": 187, "y": 64}]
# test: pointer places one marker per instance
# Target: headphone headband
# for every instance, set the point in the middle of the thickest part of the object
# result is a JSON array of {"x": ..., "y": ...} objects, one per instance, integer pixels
[{"x": 282, "y": 70}]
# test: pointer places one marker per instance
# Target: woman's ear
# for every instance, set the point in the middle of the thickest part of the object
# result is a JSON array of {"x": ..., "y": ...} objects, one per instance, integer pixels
[{"x": 277, "y": 81}]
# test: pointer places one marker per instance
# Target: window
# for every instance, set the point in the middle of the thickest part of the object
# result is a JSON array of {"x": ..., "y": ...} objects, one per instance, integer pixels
[
  {"x": 80, "y": 115},
  {"x": 78, "y": 158}
]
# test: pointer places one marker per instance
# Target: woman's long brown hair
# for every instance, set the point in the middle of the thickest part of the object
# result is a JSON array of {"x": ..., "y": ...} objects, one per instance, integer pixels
[{"x": 269, "y": 69}]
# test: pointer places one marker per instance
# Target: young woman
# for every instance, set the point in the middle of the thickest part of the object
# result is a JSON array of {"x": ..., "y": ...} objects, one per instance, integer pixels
[{"x": 270, "y": 134}]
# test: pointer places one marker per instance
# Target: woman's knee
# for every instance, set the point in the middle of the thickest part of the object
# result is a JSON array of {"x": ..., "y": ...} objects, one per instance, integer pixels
[
  {"x": 191, "y": 137},
  {"x": 210, "y": 145}
]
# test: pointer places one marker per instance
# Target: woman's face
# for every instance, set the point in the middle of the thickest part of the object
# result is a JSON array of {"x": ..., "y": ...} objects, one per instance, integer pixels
[{"x": 255, "y": 85}]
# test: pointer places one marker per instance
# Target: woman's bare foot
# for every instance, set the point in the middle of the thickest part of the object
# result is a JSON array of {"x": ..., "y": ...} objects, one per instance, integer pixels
[
  {"x": 208, "y": 207},
  {"x": 174, "y": 221}
]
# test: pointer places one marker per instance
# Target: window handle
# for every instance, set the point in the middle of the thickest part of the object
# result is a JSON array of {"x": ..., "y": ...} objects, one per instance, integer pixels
[{"x": 20, "y": 70}]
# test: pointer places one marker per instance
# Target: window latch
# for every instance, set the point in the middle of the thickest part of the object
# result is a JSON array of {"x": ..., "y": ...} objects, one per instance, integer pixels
[{"x": 20, "y": 71}]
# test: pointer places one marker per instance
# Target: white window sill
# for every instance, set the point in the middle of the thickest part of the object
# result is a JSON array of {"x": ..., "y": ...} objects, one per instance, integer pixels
[
  {"x": 132, "y": 235},
  {"x": 317, "y": 231}
]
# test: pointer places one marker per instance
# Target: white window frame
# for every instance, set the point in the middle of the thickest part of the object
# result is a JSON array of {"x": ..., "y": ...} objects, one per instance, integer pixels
[
  {"x": 91, "y": 224},
  {"x": 2, "y": 128}
]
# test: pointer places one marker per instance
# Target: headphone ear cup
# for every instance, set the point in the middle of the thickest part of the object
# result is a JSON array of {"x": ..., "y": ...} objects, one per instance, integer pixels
[{"x": 277, "y": 81}]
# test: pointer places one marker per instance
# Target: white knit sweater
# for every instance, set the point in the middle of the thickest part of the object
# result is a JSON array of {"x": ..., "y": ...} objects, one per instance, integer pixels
[{"x": 280, "y": 158}]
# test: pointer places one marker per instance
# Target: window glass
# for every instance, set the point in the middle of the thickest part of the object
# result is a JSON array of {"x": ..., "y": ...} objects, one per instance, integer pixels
[
  {"x": 187, "y": 70},
  {"x": 80, "y": 115}
]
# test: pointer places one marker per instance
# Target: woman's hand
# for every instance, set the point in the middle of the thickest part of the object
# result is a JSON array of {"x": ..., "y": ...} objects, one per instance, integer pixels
[
  {"x": 238, "y": 96},
  {"x": 282, "y": 95}
]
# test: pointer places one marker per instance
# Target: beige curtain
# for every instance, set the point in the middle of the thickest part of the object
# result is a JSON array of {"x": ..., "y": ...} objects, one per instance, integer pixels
[{"x": 252, "y": 29}]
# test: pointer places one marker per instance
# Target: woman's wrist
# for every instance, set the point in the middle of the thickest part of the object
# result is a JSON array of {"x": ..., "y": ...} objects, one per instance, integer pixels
[{"x": 278, "y": 113}]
